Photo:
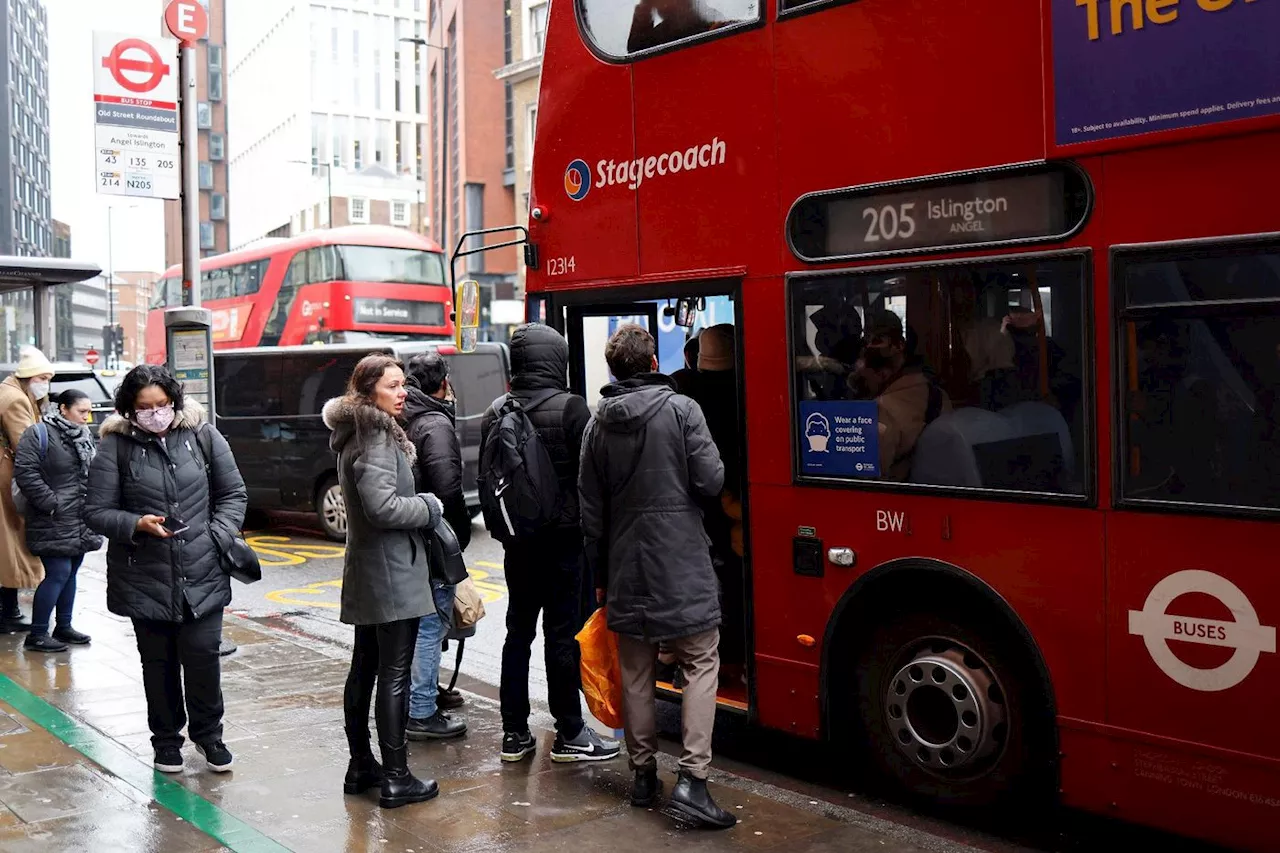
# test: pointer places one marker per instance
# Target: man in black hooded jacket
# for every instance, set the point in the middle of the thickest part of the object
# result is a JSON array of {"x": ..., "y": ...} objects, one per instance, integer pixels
[{"x": 544, "y": 573}]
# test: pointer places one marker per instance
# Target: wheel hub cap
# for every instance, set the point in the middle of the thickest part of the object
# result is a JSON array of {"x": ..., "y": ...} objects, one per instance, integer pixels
[
  {"x": 945, "y": 710},
  {"x": 335, "y": 509}
]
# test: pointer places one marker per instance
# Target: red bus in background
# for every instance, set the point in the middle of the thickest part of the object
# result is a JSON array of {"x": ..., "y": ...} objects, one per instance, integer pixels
[
  {"x": 1036, "y": 553},
  {"x": 331, "y": 286}
]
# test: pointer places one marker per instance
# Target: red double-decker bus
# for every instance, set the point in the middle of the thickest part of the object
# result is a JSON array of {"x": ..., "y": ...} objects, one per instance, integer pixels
[
  {"x": 331, "y": 286},
  {"x": 1005, "y": 285}
]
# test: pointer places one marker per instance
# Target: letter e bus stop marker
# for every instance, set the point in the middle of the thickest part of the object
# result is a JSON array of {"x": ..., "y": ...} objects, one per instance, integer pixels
[
  {"x": 186, "y": 20},
  {"x": 1249, "y": 637}
]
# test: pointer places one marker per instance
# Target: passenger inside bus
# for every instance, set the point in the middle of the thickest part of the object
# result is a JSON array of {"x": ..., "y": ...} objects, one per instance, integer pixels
[
  {"x": 658, "y": 22},
  {"x": 716, "y": 392},
  {"x": 976, "y": 369},
  {"x": 686, "y": 377}
]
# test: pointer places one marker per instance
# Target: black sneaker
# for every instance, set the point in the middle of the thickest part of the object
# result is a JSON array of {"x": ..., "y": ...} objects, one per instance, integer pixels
[
  {"x": 42, "y": 643},
  {"x": 70, "y": 635},
  {"x": 439, "y": 726},
  {"x": 516, "y": 745},
  {"x": 168, "y": 759},
  {"x": 217, "y": 755},
  {"x": 587, "y": 746}
]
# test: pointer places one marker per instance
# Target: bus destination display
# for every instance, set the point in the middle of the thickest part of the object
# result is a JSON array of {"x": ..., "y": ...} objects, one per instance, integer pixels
[{"x": 987, "y": 212}]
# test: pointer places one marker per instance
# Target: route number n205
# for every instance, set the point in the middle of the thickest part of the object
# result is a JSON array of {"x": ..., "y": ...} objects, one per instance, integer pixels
[{"x": 890, "y": 223}]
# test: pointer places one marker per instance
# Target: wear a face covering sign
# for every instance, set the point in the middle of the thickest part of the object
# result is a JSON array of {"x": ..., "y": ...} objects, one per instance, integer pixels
[{"x": 839, "y": 438}]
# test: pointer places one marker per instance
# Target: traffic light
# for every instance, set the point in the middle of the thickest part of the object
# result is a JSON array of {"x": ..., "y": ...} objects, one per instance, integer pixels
[{"x": 113, "y": 343}]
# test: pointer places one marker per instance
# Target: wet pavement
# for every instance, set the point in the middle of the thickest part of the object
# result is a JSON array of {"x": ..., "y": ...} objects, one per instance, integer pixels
[{"x": 75, "y": 767}]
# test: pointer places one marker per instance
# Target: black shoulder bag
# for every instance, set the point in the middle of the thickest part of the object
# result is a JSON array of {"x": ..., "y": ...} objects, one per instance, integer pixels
[{"x": 240, "y": 561}]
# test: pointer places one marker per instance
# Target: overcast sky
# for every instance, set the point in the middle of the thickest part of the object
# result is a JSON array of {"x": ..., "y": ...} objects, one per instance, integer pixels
[{"x": 138, "y": 234}]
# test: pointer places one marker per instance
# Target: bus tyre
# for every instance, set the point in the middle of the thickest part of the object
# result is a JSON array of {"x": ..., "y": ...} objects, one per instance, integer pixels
[
  {"x": 331, "y": 510},
  {"x": 949, "y": 713}
]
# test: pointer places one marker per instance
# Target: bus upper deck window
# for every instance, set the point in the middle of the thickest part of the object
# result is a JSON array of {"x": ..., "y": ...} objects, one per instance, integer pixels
[{"x": 624, "y": 29}]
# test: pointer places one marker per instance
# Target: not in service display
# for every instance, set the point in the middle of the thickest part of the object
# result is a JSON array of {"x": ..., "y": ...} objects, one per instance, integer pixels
[
  {"x": 1044, "y": 203},
  {"x": 397, "y": 312}
]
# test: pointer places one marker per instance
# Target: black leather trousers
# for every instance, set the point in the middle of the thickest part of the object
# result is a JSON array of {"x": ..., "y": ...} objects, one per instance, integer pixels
[{"x": 383, "y": 654}]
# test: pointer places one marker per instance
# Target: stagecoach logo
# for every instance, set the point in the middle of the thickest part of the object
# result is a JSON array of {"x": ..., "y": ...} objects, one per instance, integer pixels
[
  {"x": 577, "y": 180},
  {"x": 1249, "y": 637}
]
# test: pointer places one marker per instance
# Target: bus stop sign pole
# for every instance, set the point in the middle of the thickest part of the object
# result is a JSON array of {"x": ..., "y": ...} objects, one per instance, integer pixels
[{"x": 189, "y": 329}]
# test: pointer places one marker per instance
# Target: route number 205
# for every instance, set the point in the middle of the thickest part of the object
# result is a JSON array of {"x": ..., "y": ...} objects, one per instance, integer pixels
[
  {"x": 890, "y": 223},
  {"x": 560, "y": 266}
]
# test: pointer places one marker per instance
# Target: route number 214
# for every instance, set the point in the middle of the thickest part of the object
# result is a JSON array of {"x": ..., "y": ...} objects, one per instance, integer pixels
[{"x": 560, "y": 266}]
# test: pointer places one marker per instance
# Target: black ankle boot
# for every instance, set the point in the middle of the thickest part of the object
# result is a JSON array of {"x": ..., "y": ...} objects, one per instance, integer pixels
[
  {"x": 12, "y": 621},
  {"x": 646, "y": 788},
  {"x": 692, "y": 799},
  {"x": 399, "y": 786},
  {"x": 363, "y": 773}
]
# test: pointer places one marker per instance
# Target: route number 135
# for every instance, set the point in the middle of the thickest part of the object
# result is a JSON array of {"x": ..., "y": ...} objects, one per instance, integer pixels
[{"x": 890, "y": 223}]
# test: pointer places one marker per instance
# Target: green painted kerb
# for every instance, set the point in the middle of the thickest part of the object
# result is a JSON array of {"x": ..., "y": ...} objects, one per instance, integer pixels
[{"x": 194, "y": 809}]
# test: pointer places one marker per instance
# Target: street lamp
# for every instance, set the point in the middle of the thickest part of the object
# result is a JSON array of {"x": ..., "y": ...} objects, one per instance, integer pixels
[
  {"x": 328, "y": 173},
  {"x": 444, "y": 124}
]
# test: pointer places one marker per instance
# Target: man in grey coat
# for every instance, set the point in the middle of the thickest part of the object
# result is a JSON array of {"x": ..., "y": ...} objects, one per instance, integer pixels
[{"x": 648, "y": 461}]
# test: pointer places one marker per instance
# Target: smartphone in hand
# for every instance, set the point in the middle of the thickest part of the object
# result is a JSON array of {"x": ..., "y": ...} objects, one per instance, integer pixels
[{"x": 174, "y": 525}]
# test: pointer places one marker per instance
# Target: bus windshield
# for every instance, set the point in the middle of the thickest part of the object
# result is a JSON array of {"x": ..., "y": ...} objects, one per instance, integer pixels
[{"x": 382, "y": 264}]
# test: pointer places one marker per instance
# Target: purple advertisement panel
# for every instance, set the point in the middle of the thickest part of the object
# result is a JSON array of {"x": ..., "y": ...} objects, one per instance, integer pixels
[{"x": 1123, "y": 67}]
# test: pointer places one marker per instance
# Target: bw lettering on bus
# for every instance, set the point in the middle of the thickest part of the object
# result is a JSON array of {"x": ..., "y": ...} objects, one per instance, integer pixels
[
  {"x": 1187, "y": 628},
  {"x": 634, "y": 172},
  {"x": 968, "y": 210}
]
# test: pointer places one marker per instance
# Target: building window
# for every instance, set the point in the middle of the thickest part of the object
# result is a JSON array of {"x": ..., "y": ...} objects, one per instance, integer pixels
[
  {"x": 204, "y": 115},
  {"x": 509, "y": 97},
  {"x": 206, "y": 235},
  {"x": 399, "y": 213},
  {"x": 217, "y": 206},
  {"x": 205, "y": 171},
  {"x": 475, "y": 222},
  {"x": 359, "y": 210},
  {"x": 215, "y": 57},
  {"x": 217, "y": 146},
  {"x": 538, "y": 27},
  {"x": 215, "y": 85},
  {"x": 531, "y": 133}
]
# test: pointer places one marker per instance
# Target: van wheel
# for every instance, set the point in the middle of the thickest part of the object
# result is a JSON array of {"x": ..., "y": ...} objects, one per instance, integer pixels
[
  {"x": 948, "y": 714},
  {"x": 331, "y": 510}
]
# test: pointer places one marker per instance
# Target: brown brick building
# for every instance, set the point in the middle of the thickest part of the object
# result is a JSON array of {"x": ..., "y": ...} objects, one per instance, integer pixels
[
  {"x": 468, "y": 179},
  {"x": 211, "y": 117}
]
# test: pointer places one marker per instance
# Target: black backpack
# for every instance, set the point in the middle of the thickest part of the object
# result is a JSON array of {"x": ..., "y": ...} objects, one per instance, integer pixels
[{"x": 519, "y": 489}]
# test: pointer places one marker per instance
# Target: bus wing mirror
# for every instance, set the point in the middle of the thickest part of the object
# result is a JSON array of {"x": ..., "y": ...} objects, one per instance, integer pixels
[
  {"x": 467, "y": 302},
  {"x": 686, "y": 312}
]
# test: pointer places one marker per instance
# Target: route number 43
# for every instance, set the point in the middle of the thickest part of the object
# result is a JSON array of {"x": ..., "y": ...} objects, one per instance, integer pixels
[
  {"x": 890, "y": 223},
  {"x": 560, "y": 266}
]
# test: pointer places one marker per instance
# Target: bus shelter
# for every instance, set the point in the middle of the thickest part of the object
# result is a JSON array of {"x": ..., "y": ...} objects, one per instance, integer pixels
[{"x": 41, "y": 275}]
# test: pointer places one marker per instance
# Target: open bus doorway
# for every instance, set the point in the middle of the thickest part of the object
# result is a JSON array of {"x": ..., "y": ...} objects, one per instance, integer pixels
[{"x": 719, "y": 392}]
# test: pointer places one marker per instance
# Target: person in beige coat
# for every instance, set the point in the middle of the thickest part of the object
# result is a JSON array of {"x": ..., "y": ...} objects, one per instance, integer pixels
[
  {"x": 21, "y": 397},
  {"x": 907, "y": 398}
]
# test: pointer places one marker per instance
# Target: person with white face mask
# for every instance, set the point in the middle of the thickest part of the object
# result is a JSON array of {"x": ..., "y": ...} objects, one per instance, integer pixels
[
  {"x": 22, "y": 397},
  {"x": 165, "y": 491}
]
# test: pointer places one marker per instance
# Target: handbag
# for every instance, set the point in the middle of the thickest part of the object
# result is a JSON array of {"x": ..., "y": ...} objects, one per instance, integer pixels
[
  {"x": 238, "y": 560},
  {"x": 20, "y": 502},
  {"x": 445, "y": 555}
]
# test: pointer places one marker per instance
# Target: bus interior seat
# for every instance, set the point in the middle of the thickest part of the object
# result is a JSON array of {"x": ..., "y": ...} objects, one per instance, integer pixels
[{"x": 1024, "y": 447}]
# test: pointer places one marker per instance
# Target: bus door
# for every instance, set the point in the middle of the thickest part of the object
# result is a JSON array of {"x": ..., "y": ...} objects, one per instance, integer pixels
[
  {"x": 1194, "y": 598},
  {"x": 588, "y": 329}
]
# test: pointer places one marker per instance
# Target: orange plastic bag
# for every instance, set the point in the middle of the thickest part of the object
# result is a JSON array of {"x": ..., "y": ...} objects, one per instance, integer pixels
[{"x": 601, "y": 677}]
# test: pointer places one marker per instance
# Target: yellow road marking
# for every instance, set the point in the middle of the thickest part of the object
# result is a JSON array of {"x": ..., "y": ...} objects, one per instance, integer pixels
[{"x": 490, "y": 590}]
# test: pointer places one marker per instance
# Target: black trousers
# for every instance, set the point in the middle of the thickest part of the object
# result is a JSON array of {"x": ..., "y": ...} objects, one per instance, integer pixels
[
  {"x": 544, "y": 576},
  {"x": 382, "y": 655},
  {"x": 174, "y": 654}
]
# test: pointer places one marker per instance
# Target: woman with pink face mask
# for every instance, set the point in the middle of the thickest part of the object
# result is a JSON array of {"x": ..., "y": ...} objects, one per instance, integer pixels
[{"x": 168, "y": 509}]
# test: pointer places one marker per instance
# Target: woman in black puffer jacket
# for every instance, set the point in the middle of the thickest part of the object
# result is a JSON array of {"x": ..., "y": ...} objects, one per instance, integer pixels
[
  {"x": 152, "y": 468},
  {"x": 51, "y": 467}
]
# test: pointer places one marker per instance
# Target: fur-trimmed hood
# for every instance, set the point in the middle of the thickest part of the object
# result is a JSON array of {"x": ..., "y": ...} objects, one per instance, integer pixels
[
  {"x": 192, "y": 416},
  {"x": 350, "y": 419}
]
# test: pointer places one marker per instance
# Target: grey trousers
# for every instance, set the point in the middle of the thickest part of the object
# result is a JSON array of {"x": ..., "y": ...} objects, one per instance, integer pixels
[{"x": 699, "y": 656}]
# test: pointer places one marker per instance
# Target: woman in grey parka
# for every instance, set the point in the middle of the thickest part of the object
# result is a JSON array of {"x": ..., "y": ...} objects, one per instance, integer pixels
[
  {"x": 386, "y": 576},
  {"x": 167, "y": 508}
]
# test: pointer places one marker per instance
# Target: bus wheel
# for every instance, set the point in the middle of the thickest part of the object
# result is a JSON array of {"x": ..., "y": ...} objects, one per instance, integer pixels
[
  {"x": 331, "y": 509},
  {"x": 945, "y": 710}
]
